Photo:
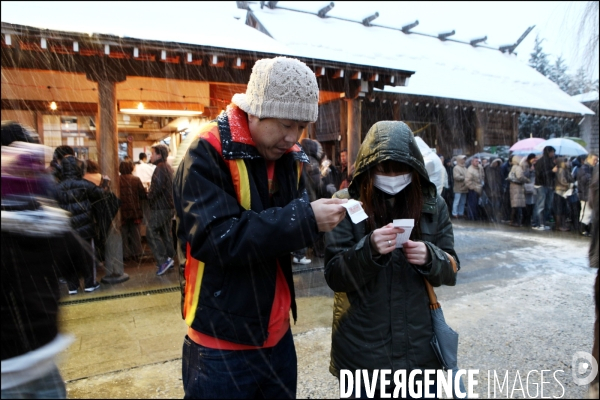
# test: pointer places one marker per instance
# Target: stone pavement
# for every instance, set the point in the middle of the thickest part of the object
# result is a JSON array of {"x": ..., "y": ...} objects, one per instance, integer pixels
[{"x": 120, "y": 328}]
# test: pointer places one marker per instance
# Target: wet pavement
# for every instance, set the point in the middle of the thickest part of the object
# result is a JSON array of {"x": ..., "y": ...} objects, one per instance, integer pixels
[{"x": 129, "y": 336}]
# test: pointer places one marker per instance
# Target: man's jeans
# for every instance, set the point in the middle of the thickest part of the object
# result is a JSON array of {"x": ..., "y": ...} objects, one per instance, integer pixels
[
  {"x": 543, "y": 205},
  {"x": 159, "y": 235},
  {"x": 458, "y": 207},
  {"x": 270, "y": 373}
]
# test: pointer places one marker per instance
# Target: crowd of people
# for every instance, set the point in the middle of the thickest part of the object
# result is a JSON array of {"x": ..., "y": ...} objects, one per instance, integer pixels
[
  {"x": 542, "y": 193},
  {"x": 248, "y": 201}
]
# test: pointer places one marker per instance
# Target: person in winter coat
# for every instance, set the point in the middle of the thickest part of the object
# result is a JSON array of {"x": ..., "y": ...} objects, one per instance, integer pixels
[
  {"x": 584, "y": 176},
  {"x": 76, "y": 195},
  {"x": 594, "y": 253},
  {"x": 160, "y": 203},
  {"x": 37, "y": 246},
  {"x": 493, "y": 188},
  {"x": 545, "y": 169},
  {"x": 241, "y": 210},
  {"x": 474, "y": 182},
  {"x": 459, "y": 175},
  {"x": 563, "y": 182},
  {"x": 132, "y": 194},
  {"x": 506, "y": 167},
  {"x": 381, "y": 317},
  {"x": 528, "y": 167},
  {"x": 517, "y": 179},
  {"x": 448, "y": 193}
]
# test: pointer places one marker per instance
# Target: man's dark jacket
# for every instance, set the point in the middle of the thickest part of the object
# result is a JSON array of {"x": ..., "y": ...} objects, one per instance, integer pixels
[
  {"x": 381, "y": 316},
  {"x": 543, "y": 171},
  {"x": 77, "y": 196},
  {"x": 237, "y": 249},
  {"x": 160, "y": 195}
]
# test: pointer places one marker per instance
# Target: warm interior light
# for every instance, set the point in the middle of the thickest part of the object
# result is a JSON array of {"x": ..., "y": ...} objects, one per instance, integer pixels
[
  {"x": 53, "y": 106},
  {"x": 166, "y": 109}
]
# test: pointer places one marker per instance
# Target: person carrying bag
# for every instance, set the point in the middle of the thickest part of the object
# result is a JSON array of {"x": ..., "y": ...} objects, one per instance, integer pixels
[{"x": 381, "y": 316}]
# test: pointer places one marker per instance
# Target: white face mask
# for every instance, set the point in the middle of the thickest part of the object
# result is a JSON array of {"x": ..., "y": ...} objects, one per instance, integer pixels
[{"x": 392, "y": 184}]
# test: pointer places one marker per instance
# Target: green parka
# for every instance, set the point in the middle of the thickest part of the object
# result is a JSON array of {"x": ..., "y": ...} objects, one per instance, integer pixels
[{"x": 381, "y": 317}]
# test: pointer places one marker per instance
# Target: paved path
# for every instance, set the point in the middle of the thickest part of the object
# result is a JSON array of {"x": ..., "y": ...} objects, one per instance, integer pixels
[{"x": 522, "y": 302}]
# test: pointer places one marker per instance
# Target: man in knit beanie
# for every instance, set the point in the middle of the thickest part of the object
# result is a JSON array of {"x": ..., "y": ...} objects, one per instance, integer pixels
[{"x": 241, "y": 210}]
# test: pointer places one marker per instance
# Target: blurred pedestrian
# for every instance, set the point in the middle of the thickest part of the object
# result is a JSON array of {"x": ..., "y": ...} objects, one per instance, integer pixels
[
  {"x": 55, "y": 166},
  {"x": 528, "y": 167},
  {"x": 563, "y": 183},
  {"x": 594, "y": 253},
  {"x": 132, "y": 193},
  {"x": 448, "y": 192},
  {"x": 545, "y": 170},
  {"x": 144, "y": 171},
  {"x": 242, "y": 209},
  {"x": 474, "y": 182},
  {"x": 584, "y": 177},
  {"x": 517, "y": 179},
  {"x": 459, "y": 174},
  {"x": 381, "y": 307},
  {"x": 493, "y": 189},
  {"x": 38, "y": 246},
  {"x": 343, "y": 169},
  {"x": 77, "y": 195},
  {"x": 505, "y": 169},
  {"x": 162, "y": 209}
]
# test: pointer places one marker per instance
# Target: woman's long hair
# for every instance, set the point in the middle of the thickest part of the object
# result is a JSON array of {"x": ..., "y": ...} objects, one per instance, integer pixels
[{"x": 407, "y": 203}]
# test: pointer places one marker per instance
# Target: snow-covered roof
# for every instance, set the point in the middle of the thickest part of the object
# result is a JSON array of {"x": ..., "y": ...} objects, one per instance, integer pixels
[
  {"x": 444, "y": 69},
  {"x": 195, "y": 23},
  {"x": 586, "y": 97}
]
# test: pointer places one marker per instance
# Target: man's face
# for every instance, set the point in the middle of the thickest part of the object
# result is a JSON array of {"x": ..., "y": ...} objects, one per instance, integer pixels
[
  {"x": 551, "y": 154},
  {"x": 274, "y": 136},
  {"x": 593, "y": 160},
  {"x": 475, "y": 162},
  {"x": 344, "y": 158},
  {"x": 155, "y": 156}
]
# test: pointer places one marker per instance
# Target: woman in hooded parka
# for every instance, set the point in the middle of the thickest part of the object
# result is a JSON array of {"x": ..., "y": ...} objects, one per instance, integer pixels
[{"x": 381, "y": 308}]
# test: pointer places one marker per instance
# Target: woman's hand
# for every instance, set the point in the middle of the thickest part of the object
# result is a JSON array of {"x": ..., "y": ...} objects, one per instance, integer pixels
[
  {"x": 383, "y": 240},
  {"x": 416, "y": 252}
]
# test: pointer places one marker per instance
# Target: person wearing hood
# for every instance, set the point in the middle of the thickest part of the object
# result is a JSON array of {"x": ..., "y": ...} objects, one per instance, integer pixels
[
  {"x": 517, "y": 192},
  {"x": 381, "y": 317},
  {"x": 493, "y": 188},
  {"x": 77, "y": 195},
  {"x": 459, "y": 175},
  {"x": 474, "y": 183},
  {"x": 38, "y": 246}
]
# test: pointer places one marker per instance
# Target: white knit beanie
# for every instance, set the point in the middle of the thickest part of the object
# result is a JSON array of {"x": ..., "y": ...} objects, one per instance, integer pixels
[{"x": 281, "y": 87}]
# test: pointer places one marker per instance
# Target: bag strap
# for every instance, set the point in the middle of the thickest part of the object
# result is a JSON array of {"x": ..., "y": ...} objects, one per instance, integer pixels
[{"x": 433, "y": 303}]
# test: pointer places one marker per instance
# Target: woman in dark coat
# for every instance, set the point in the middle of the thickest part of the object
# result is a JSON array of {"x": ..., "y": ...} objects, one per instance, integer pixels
[
  {"x": 76, "y": 195},
  {"x": 381, "y": 309},
  {"x": 132, "y": 193},
  {"x": 493, "y": 188}
]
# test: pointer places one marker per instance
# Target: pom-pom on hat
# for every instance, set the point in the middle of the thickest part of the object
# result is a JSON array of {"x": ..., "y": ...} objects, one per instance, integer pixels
[{"x": 281, "y": 87}]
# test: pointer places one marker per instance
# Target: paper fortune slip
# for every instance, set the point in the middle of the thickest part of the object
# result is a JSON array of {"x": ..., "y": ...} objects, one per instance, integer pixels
[
  {"x": 355, "y": 211},
  {"x": 407, "y": 225}
]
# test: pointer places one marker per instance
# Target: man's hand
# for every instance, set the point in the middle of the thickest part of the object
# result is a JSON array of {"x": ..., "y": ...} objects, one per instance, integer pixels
[
  {"x": 416, "y": 252},
  {"x": 328, "y": 213},
  {"x": 383, "y": 240}
]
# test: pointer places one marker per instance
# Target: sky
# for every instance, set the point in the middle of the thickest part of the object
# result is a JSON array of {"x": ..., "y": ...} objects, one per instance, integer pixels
[{"x": 503, "y": 22}]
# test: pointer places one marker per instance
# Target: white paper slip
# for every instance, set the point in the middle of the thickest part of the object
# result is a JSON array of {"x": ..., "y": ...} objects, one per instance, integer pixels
[
  {"x": 355, "y": 211},
  {"x": 407, "y": 225}
]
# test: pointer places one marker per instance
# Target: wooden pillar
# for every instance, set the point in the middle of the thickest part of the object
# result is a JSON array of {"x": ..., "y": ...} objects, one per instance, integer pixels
[
  {"x": 396, "y": 110},
  {"x": 354, "y": 129},
  {"x": 480, "y": 125},
  {"x": 108, "y": 157}
]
